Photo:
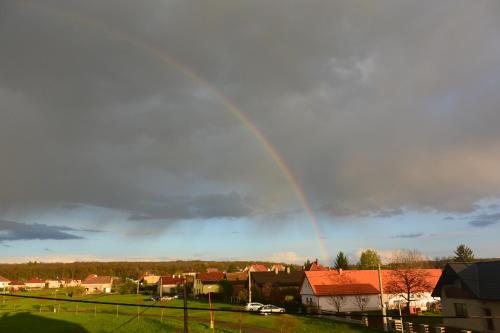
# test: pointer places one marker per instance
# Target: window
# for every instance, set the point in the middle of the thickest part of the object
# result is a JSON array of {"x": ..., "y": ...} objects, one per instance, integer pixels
[
  {"x": 460, "y": 310},
  {"x": 489, "y": 321}
]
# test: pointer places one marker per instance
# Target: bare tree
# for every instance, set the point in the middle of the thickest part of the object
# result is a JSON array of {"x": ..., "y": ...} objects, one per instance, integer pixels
[
  {"x": 338, "y": 302},
  {"x": 361, "y": 301},
  {"x": 408, "y": 279}
]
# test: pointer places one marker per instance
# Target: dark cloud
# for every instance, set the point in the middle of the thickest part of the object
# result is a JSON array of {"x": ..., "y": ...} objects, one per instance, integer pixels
[
  {"x": 12, "y": 231},
  {"x": 484, "y": 220},
  {"x": 389, "y": 213},
  {"x": 410, "y": 235},
  {"x": 369, "y": 106},
  {"x": 449, "y": 218}
]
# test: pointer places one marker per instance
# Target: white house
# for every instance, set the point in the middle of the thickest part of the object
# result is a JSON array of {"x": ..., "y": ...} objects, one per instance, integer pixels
[
  {"x": 4, "y": 282},
  {"x": 35, "y": 283},
  {"x": 97, "y": 284},
  {"x": 358, "y": 290}
]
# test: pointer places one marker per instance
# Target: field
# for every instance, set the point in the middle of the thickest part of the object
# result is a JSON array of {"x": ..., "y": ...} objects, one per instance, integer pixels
[{"x": 33, "y": 315}]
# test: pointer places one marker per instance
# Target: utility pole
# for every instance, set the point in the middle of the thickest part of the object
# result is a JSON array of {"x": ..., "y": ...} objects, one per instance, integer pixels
[
  {"x": 185, "y": 307},
  {"x": 161, "y": 287},
  {"x": 382, "y": 304},
  {"x": 249, "y": 287}
]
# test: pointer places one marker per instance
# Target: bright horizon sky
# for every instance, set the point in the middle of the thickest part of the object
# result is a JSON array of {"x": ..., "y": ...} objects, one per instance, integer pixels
[{"x": 255, "y": 130}]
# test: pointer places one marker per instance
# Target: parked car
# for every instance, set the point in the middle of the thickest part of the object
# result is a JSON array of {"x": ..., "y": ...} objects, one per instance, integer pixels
[
  {"x": 269, "y": 308},
  {"x": 155, "y": 298},
  {"x": 251, "y": 307}
]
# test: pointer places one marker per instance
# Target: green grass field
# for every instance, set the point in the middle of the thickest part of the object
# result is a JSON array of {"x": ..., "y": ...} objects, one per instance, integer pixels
[{"x": 32, "y": 315}]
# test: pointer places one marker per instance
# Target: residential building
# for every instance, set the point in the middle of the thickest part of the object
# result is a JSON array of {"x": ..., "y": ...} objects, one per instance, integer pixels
[
  {"x": 4, "y": 282},
  {"x": 276, "y": 286},
  {"x": 53, "y": 284},
  {"x": 167, "y": 285},
  {"x": 207, "y": 282},
  {"x": 71, "y": 282},
  {"x": 327, "y": 291},
  {"x": 97, "y": 284},
  {"x": 239, "y": 281},
  {"x": 468, "y": 290},
  {"x": 316, "y": 266},
  {"x": 256, "y": 268},
  {"x": 16, "y": 285},
  {"x": 149, "y": 278},
  {"x": 35, "y": 283},
  {"x": 278, "y": 268}
]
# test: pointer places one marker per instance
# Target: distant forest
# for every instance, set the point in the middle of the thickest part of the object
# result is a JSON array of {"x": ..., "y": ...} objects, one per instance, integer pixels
[{"x": 126, "y": 269}]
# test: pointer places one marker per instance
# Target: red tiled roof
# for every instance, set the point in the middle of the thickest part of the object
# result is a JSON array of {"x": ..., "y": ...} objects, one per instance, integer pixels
[
  {"x": 237, "y": 276},
  {"x": 35, "y": 280},
  {"x": 16, "y": 283},
  {"x": 211, "y": 270},
  {"x": 165, "y": 280},
  {"x": 3, "y": 279},
  {"x": 211, "y": 277},
  {"x": 346, "y": 289},
  {"x": 94, "y": 279},
  {"x": 349, "y": 277},
  {"x": 258, "y": 268},
  {"x": 316, "y": 266}
]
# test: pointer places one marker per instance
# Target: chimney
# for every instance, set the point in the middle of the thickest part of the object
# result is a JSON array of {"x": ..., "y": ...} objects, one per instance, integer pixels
[
  {"x": 276, "y": 269},
  {"x": 340, "y": 271},
  {"x": 288, "y": 270}
]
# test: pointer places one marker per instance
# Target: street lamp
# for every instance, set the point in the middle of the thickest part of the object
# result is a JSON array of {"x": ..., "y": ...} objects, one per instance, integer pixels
[{"x": 211, "y": 310}]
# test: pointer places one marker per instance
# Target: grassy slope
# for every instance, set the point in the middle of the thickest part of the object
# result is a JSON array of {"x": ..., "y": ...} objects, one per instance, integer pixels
[{"x": 21, "y": 315}]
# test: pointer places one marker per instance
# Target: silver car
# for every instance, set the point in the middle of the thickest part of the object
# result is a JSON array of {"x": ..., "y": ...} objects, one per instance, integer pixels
[
  {"x": 269, "y": 308},
  {"x": 253, "y": 306}
]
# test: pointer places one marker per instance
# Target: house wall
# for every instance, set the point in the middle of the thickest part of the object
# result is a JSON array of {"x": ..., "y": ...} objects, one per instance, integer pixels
[
  {"x": 4, "y": 284},
  {"x": 349, "y": 303},
  {"x": 199, "y": 288},
  {"x": 97, "y": 288},
  {"x": 168, "y": 289},
  {"x": 35, "y": 285},
  {"x": 474, "y": 308}
]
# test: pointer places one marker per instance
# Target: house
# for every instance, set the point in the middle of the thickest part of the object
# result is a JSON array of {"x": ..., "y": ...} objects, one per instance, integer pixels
[
  {"x": 71, "y": 282},
  {"x": 358, "y": 290},
  {"x": 212, "y": 270},
  {"x": 97, "y": 284},
  {"x": 467, "y": 290},
  {"x": 148, "y": 278},
  {"x": 53, "y": 284},
  {"x": 239, "y": 281},
  {"x": 35, "y": 283},
  {"x": 207, "y": 282},
  {"x": 256, "y": 268},
  {"x": 4, "y": 282},
  {"x": 316, "y": 266},
  {"x": 276, "y": 286},
  {"x": 167, "y": 285},
  {"x": 16, "y": 285},
  {"x": 278, "y": 268}
]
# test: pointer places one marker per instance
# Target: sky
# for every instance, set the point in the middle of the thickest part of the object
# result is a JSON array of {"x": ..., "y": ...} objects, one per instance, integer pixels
[{"x": 262, "y": 130}]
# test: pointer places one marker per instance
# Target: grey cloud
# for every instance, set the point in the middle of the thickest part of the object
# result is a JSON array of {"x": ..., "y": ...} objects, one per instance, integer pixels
[
  {"x": 389, "y": 213},
  {"x": 374, "y": 108},
  {"x": 12, "y": 231},
  {"x": 484, "y": 220},
  {"x": 410, "y": 235}
]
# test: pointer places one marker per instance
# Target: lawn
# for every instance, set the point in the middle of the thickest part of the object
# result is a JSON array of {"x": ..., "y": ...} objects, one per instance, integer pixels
[{"x": 33, "y": 315}]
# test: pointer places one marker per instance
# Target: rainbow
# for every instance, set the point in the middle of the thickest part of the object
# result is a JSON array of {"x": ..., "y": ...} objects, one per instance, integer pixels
[{"x": 164, "y": 58}]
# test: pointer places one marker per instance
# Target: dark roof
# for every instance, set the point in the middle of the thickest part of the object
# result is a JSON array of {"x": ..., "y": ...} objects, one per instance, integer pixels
[
  {"x": 346, "y": 289},
  {"x": 480, "y": 278},
  {"x": 281, "y": 279},
  {"x": 237, "y": 277},
  {"x": 168, "y": 280},
  {"x": 94, "y": 279},
  {"x": 212, "y": 277}
]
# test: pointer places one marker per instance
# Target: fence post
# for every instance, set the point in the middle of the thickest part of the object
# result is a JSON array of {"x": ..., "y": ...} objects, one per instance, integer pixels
[
  {"x": 95, "y": 310},
  {"x": 408, "y": 326},
  {"x": 117, "y": 311},
  {"x": 161, "y": 320},
  {"x": 423, "y": 328},
  {"x": 439, "y": 329},
  {"x": 40, "y": 309}
]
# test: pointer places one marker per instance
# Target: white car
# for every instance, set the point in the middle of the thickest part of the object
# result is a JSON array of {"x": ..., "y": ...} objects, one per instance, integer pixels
[
  {"x": 253, "y": 306},
  {"x": 269, "y": 308}
]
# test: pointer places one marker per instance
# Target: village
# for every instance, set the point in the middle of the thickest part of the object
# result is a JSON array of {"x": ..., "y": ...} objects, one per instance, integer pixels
[{"x": 457, "y": 291}]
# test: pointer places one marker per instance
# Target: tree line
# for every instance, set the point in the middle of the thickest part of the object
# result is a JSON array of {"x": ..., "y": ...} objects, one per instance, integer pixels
[{"x": 124, "y": 269}]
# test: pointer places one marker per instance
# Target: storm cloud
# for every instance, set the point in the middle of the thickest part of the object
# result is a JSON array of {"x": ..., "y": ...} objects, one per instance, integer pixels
[
  {"x": 377, "y": 108},
  {"x": 13, "y": 231}
]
